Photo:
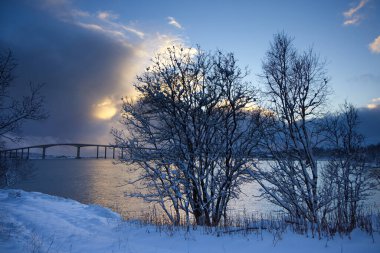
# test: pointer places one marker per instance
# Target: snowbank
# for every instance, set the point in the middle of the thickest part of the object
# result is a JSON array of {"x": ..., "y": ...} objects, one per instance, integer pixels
[{"x": 36, "y": 222}]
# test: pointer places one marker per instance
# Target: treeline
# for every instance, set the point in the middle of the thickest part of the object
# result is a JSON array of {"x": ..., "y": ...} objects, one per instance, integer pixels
[{"x": 372, "y": 153}]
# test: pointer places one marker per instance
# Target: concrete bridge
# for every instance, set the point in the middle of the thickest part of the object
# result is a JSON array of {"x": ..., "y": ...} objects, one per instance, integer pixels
[{"x": 24, "y": 152}]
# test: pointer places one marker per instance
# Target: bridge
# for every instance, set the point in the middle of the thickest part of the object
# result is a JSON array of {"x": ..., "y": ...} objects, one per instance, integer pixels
[{"x": 24, "y": 152}]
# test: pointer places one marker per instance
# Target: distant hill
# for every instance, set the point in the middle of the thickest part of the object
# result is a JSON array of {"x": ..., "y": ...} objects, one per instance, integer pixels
[{"x": 370, "y": 124}]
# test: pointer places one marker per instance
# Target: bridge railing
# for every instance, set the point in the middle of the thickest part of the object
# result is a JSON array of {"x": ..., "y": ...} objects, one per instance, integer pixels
[{"x": 24, "y": 152}]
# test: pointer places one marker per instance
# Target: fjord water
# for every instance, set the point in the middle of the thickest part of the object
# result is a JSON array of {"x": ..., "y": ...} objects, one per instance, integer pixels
[
  {"x": 90, "y": 181},
  {"x": 102, "y": 182}
]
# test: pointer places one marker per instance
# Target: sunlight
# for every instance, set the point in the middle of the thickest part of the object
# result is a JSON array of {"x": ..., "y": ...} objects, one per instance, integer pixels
[
  {"x": 104, "y": 110},
  {"x": 372, "y": 106}
]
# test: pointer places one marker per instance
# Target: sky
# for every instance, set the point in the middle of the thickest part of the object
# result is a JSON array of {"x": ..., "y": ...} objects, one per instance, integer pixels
[{"x": 88, "y": 53}]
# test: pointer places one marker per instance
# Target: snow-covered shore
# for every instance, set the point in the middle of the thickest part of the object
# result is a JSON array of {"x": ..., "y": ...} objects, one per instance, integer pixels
[{"x": 36, "y": 222}]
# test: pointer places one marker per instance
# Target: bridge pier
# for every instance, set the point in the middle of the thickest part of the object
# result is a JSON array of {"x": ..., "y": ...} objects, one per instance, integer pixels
[
  {"x": 97, "y": 152},
  {"x": 105, "y": 152},
  {"x": 113, "y": 153},
  {"x": 78, "y": 153},
  {"x": 27, "y": 156},
  {"x": 43, "y": 152},
  {"x": 22, "y": 153}
]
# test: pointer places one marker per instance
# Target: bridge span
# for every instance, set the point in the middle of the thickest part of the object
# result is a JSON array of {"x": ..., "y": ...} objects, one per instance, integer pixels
[{"x": 24, "y": 152}]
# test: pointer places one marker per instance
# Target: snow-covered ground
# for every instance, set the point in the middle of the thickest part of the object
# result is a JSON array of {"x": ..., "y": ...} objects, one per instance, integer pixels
[{"x": 36, "y": 222}]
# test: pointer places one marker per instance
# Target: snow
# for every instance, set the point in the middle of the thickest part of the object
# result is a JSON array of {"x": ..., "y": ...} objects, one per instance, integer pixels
[{"x": 36, "y": 222}]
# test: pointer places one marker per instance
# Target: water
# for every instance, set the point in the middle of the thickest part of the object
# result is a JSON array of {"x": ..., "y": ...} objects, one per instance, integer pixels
[
  {"x": 99, "y": 181},
  {"x": 89, "y": 181}
]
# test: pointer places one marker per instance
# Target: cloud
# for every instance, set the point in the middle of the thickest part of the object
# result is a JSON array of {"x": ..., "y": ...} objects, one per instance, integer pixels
[
  {"x": 87, "y": 63},
  {"x": 375, "y": 45},
  {"x": 100, "y": 21},
  {"x": 351, "y": 12},
  {"x": 351, "y": 21},
  {"x": 79, "y": 13},
  {"x": 140, "y": 34},
  {"x": 174, "y": 22},
  {"x": 372, "y": 106},
  {"x": 114, "y": 33},
  {"x": 351, "y": 16},
  {"x": 93, "y": 27},
  {"x": 107, "y": 15},
  {"x": 375, "y": 104}
]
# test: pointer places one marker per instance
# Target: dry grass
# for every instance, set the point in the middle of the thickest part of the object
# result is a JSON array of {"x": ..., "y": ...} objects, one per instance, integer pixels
[{"x": 277, "y": 223}]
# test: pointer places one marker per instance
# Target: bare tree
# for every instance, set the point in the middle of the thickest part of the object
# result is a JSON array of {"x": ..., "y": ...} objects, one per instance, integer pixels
[
  {"x": 14, "y": 112},
  {"x": 296, "y": 89},
  {"x": 191, "y": 133},
  {"x": 347, "y": 172}
]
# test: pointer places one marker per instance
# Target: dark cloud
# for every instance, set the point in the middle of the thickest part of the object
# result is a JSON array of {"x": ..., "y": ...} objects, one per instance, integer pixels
[{"x": 79, "y": 67}]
